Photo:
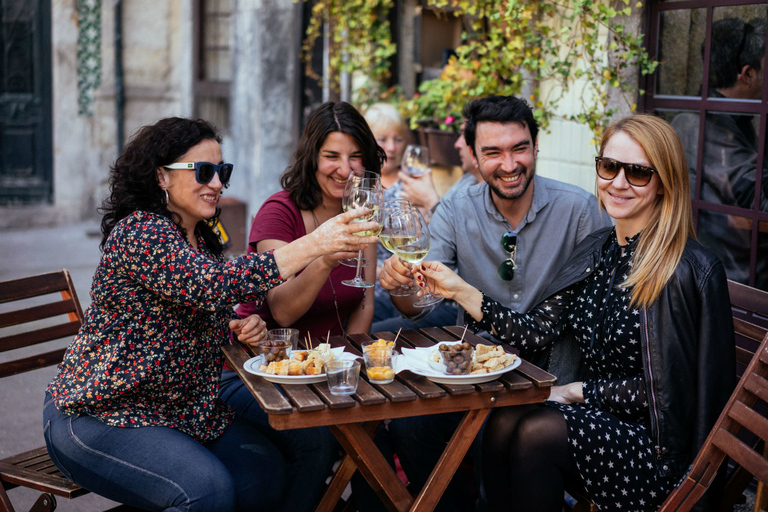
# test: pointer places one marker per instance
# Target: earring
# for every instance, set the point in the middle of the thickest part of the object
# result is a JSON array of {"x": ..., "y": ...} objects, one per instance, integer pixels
[{"x": 167, "y": 200}]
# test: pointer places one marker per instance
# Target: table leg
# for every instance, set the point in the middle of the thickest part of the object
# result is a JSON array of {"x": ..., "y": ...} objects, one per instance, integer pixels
[
  {"x": 449, "y": 461},
  {"x": 343, "y": 475},
  {"x": 373, "y": 466}
]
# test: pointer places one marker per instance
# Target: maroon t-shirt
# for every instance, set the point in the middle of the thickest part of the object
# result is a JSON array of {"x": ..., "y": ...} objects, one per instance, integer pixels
[{"x": 280, "y": 219}]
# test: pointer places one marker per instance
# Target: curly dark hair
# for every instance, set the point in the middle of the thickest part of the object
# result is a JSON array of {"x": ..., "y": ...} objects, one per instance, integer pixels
[
  {"x": 299, "y": 179},
  {"x": 133, "y": 182},
  {"x": 497, "y": 109}
]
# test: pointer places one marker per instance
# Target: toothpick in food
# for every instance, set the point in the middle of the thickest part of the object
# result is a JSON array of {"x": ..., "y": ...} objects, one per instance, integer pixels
[{"x": 462, "y": 334}]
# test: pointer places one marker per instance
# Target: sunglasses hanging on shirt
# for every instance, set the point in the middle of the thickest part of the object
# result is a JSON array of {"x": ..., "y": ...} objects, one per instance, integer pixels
[{"x": 508, "y": 267}]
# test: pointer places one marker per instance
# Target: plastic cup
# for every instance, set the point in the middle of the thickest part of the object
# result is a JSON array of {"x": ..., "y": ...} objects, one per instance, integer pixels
[
  {"x": 290, "y": 335},
  {"x": 457, "y": 358},
  {"x": 378, "y": 361},
  {"x": 275, "y": 350},
  {"x": 342, "y": 376}
]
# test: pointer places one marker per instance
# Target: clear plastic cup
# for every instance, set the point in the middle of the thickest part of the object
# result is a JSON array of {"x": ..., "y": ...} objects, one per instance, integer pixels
[
  {"x": 378, "y": 361},
  {"x": 275, "y": 350},
  {"x": 290, "y": 335},
  {"x": 342, "y": 376},
  {"x": 457, "y": 358}
]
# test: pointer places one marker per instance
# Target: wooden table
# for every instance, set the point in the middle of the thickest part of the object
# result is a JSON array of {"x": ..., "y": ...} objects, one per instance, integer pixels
[{"x": 355, "y": 419}]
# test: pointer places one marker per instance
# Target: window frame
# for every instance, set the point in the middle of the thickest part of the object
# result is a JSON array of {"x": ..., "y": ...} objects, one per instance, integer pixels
[{"x": 650, "y": 102}]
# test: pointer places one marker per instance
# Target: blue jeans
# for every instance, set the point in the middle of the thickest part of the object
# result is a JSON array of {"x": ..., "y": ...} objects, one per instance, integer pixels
[
  {"x": 443, "y": 314},
  {"x": 307, "y": 454},
  {"x": 159, "y": 468}
]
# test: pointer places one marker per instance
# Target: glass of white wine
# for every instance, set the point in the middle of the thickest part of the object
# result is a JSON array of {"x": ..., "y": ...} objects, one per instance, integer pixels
[
  {"x": 413, "y": 246},
  {"x": 366, "y": 193},
  {"x": 354, "y": 178},
  {"x": 415, "y": 160},
  {"x": 395, "y": 229}
]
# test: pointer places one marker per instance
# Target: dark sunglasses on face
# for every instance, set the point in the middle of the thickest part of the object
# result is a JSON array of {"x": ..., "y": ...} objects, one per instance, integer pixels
[
  {"x": 636, "y": 175},
  {"x": 204, "y": 171},
  {"x": 508, "y": 267}
]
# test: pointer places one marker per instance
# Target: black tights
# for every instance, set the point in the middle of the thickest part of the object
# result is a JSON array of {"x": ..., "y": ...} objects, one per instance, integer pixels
[{"x": 526, "y": 461}]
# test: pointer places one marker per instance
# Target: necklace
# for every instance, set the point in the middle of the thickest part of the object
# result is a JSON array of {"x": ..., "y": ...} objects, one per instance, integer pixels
[{"x": 333, "y": 290}]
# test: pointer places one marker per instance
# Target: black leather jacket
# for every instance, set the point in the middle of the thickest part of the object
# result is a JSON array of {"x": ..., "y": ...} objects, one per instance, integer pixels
[{"x": 687, "y": 345}]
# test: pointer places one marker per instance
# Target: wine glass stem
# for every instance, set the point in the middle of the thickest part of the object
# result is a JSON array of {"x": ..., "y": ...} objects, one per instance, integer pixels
[{"x": 359, "y": 266}]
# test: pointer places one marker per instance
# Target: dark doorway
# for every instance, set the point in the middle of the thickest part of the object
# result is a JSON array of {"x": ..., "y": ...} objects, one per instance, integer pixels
[{"x": 26, "y": 146}]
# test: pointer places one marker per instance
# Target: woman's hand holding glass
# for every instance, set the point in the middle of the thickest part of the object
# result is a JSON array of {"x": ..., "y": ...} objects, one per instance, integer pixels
[
  {"x": 341, "y": 233},
  {"x": 434, "y": 277}
]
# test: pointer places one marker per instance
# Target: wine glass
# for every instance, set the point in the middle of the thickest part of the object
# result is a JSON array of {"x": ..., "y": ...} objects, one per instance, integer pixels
[
  {"x": 415, "y": 160},
  {"x": 394, "y": 228},
  {"x": 413, "y": 246},
  {"x": 366, "y": 193},
  {"x": 355, "y": 177}
]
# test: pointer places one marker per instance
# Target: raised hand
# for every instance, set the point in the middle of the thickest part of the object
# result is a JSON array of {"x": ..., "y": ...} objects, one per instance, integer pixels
[
  {"x": 420, "y": 191},
  {"x": 337, "y": 234},
  {"x": 439, "y": 279}
]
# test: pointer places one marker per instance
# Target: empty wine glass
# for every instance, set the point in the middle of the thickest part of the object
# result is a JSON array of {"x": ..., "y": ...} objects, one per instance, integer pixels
[
  {"x": 413, "y": 245},
  {"x": 354, "y": 178},
  {"x": 415, "y": 160},
  {"x": 364, "y": 193},
  {"x": 394, "y": 229}
]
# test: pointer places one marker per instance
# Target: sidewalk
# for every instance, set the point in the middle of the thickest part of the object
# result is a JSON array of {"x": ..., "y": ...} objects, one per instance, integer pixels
[{"x": 25, "y": 253}]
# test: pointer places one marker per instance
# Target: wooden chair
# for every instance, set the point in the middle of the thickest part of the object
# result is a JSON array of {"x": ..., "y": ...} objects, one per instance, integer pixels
[
  {"x": 745, "y": 413},
  {"x": 27, "y": 327}
]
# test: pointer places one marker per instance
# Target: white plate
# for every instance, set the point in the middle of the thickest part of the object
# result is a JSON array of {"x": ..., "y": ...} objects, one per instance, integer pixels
[
  {"x": 418, "y": 362},
  {"x": 252, "y": 366}
]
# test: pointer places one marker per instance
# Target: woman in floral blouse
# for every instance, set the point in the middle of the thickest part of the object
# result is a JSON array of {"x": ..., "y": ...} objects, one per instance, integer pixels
[{"x": 133, "y": 413}]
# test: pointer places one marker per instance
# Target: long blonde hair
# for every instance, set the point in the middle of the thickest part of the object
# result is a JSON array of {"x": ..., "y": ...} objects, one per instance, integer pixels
[{"x": 661, "y": 245}]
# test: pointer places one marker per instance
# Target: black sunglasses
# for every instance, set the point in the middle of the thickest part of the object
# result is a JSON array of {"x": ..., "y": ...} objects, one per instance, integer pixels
[
  {"x": 204, "y": 171},
  {"x": 508, "y": 267},
  {"x": 636, "y": 175}
]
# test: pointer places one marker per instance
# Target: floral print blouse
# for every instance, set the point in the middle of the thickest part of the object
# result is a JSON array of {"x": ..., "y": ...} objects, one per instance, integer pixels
[{"x": 149, "y": 352}]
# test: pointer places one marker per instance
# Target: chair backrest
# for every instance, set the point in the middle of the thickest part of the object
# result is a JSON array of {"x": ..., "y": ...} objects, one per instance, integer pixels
[
  {"x": 42, "y": 308},
  {"x": 740, "y": 413},
  {"x": 750, "y": 321}
]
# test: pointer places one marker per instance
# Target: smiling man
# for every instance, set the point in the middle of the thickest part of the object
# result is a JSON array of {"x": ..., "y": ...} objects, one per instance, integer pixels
[{"x": 507, "y": 236}]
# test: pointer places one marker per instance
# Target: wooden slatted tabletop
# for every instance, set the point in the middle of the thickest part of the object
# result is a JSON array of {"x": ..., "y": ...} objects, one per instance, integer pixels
[{"x": 354, "y": 419}]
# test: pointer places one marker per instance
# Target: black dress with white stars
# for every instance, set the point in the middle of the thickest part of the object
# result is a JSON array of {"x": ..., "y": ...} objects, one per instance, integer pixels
[{"x": 608, "y": 435}]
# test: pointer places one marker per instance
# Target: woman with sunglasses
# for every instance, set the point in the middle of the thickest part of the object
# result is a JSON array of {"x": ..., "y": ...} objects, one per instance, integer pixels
[
  {"x": 133, "y": 413},
  {"x": 650, "y": 309}
]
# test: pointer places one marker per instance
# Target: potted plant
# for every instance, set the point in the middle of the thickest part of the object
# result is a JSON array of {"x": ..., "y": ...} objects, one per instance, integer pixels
[{"x": 545, "y": 48}]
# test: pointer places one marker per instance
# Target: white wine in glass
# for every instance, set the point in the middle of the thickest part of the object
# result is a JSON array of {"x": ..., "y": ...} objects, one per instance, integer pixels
[
  {"x": 415, "y": 161},
  {"x": 414, "y": 247},
  {"x": 355, "y": 177},
  {"x": 393, "y": 234},
  {"x": 364, "y": 194}
]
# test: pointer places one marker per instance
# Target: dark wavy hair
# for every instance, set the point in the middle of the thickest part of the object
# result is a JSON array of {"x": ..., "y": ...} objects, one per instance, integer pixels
[
  {"x": 735, "y": 44},
  {"x": 497, "y": 109},
  {"x": 133, "y": 182},
  {"x": 299, "y": 179}
]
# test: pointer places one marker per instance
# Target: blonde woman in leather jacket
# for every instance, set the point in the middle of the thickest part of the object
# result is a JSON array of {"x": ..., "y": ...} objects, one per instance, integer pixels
[{"x": 650, "y": 309}]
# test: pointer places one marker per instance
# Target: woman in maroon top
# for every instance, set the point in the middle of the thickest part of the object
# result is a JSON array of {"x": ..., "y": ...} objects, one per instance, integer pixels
[
  {"x": 133, "y": 412},
  {"x": 336, "y": 140}
]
